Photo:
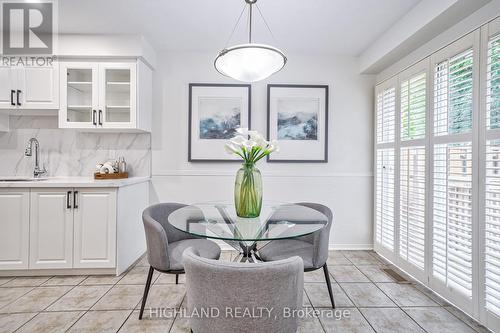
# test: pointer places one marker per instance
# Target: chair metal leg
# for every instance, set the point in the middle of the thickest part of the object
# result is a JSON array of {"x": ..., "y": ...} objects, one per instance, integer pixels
[
  {"x": 176, "y": 278},
  {"x": 328, "y": 284},
  {"x": 146, "y": 290}
]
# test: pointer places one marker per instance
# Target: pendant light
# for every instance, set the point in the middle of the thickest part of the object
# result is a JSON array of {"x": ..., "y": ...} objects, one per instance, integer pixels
[{"x": 249, "y": 62}]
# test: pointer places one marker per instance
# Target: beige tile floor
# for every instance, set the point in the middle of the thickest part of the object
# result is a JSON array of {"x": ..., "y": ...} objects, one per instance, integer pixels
[{"x": 374, "y": 301}]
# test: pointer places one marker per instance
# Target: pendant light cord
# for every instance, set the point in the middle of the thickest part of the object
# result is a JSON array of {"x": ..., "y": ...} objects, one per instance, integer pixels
[
  {"x": 265, "y": 22},
  {"x": 235, "y": 26},
  {"x": 249, "y": 18}
]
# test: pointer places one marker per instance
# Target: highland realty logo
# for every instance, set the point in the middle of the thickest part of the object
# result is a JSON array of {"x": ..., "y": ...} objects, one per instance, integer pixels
[{"x": 27, "y": 32}]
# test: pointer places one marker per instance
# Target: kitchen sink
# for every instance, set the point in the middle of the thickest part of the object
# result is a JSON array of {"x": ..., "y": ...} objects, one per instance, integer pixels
[{"x": 21, "y": 179}]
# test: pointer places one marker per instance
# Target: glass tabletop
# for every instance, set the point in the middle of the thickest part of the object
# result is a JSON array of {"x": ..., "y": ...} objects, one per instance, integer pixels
[{"x": 218, "y": 220}]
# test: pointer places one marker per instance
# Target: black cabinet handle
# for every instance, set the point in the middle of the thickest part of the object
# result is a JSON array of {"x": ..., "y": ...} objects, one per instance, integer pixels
[
  {"x": 75, "y": 203},
  {"x": 68, "y": 200},
  {"x": 18, "y": 92},
  {"x": 94, "y": 113},
  {"x": 12, "y": 97},
  {"x": 100, "y": 117}
]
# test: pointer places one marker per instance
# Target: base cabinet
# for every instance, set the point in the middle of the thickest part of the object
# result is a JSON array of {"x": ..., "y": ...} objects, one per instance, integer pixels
[
  {"x": 71, "y": 230},
  {"x": 51, "y": 229},
  {"x": 95, "y": 228},
  {"x": 14, "y": 226}
]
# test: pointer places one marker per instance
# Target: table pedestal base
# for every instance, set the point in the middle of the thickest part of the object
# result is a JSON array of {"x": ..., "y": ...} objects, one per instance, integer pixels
[{"x": 247, "y": 252}]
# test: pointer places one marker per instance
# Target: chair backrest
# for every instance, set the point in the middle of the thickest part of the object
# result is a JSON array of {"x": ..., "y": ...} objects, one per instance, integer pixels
[
  {"x": 159, "y": 233},
  {"x": 321, "y": 238},
  {"x": 228, "y": 289}
]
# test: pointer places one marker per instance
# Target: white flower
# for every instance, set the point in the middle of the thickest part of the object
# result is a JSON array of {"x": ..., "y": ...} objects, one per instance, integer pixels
[
  {"x": 273, "y": 146},
  {"x": 249, "y": 144},
  {"x": 259, "y": 139},
  {"x": 242, "y": 131},
  {"x": 238, "y": 141},
  {"x": 230, "y": 148}
]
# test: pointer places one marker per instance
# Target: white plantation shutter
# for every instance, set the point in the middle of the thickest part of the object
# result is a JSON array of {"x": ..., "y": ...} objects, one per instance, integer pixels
[
  {"x": 452, "y": 216},
  {"x": 492, "y": 227},
  {"x": 385, "y": 198},
  {"x": 386, "y": 107},
  {"x": 453, "y": 95},
  {"x": 384, "y": 165},
  {"x": 412, "y": 205},
  {"x": 413, "y": 107},
  {"x": 452, "y": 200},
  {"x": 492, "y": 178}
]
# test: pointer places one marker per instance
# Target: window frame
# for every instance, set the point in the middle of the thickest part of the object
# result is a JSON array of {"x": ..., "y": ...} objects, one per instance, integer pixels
[{"x": 486, "y": 317}]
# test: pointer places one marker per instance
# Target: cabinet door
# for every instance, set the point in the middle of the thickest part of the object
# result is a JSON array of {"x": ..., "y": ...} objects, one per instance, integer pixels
[
  {"x": 14, "y": 226},
  {"x": 95, "y": 228},
  {"x": 79, "y": 94},
  {"x": 51, "y": 228},
  {"x": 38, "y": 87},
  {"x": 8, "y": 82},
  {"x": 117, "y": 95}
]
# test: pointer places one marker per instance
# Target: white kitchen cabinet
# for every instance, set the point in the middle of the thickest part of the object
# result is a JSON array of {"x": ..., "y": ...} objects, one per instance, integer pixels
[
  {"x": 79, "y": 97},
  {"x": 14, "y": 226},
  {"x": 29, "y": 88},
  {"x": 73, "y": 229},
  {"x": 38, "y": 87},
  {"x": 7, "y": 87},
  {"x": 106, "y": 96},
  {"x": 94, "y": 228},
  {"x": 51, "y": 228}
]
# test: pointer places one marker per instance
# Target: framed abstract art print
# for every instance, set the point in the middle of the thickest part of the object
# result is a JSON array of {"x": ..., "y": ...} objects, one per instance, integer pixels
[
  {"x": 297, "y": 117},
  {"x": 215, "y": 112}
]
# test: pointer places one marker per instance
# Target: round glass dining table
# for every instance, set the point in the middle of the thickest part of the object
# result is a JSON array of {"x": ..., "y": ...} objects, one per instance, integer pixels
[{"x": 218, "y": 220}]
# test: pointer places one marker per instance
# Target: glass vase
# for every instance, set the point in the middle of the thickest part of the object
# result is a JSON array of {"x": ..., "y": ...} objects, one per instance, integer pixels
[{"x": 248, "y": 191}]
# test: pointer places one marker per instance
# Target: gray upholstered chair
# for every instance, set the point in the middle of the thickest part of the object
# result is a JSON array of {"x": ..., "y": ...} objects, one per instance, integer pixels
[
  {"x": 230, "y": 287},
  {"x": 312, "y": 248},
  {"x": 165, "y": 244}
]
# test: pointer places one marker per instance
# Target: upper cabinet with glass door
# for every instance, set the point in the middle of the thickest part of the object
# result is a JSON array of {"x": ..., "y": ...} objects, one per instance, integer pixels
[{"x": 106, "y": 96}]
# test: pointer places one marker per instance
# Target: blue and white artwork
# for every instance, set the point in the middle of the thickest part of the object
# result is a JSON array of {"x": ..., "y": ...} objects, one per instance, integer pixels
[
  {"x": 219, "y": 117},
  {"x": 298, "y": 118}
]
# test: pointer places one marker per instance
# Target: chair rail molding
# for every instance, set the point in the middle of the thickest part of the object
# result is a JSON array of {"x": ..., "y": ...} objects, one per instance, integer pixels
[{"x": 202, "y": 173}]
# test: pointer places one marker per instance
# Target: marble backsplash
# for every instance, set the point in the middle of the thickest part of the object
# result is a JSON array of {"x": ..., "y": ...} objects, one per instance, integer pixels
[{"x": 68, "y": 152}]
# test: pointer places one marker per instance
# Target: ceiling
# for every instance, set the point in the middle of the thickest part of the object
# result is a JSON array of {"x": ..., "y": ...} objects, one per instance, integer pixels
[{"x": 344, "y": 27}]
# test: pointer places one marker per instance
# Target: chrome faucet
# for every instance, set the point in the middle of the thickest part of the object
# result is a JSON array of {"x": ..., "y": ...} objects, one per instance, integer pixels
[{"x": 37, "y": 172}]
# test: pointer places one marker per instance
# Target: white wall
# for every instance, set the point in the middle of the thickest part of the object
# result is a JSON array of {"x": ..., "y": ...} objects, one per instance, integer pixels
[{"x": 344, "y": 183}]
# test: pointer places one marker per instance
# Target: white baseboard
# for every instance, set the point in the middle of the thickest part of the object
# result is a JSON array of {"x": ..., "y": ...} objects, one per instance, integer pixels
[{"x": 227, "y": 247}]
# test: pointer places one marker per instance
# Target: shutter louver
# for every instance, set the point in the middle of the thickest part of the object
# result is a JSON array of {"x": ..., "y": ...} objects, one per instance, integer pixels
[
  {"x": 412, "y": 205},
  {"x": 492, "y": 180},
  {"x": 386, "y": 106},
  {"x": 452, "y": 216},
  {"x": 453, "y": 95},
  {"x": 385, "y": 198},
  {"x": 493, "y": 84},
  {"x": 413, "y": 110}
]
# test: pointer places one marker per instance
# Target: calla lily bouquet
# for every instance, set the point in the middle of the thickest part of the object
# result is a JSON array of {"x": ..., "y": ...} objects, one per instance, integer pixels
[{"x": 250, "y": 146}]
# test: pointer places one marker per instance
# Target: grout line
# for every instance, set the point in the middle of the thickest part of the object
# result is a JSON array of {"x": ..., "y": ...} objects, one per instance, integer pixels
[
  {"x": 416, "y": 322},
  {"x": 400, "y": 308},
  {"x": 177, "y": 315},
  {"x": 86, "y": 311},
  {"x": 131, "y": 312},
  {"x": 43, "y": 310},
  {"x": 397, "y": 305},
  {"x": 32, "y": 288}
]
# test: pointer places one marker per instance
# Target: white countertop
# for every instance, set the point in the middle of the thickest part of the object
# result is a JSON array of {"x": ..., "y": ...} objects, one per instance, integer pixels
[{"x": 72, "y": 182}]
